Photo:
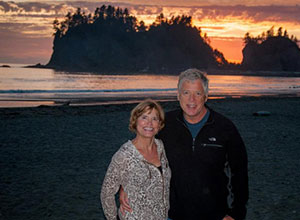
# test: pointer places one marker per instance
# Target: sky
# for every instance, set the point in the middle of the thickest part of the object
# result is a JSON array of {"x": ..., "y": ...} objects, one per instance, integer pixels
[{"x": 26, "y": 33}]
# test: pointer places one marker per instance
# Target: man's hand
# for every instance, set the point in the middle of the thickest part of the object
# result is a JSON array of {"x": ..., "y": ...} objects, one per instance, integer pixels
[
  {"x": 227, "y": 217},
  {"x": 124, "y": 203}
]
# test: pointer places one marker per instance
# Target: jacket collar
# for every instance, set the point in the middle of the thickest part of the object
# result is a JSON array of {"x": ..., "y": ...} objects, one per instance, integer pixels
[{"x": 210, "y": 119}]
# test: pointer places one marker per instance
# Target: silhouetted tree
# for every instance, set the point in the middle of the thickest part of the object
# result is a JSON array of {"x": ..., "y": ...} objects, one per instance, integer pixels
[
  {"x": 271, "y": 52},
  {"x": 270, "y": 32},
  {"x": 279, "y": 32},
  {"x": 113, "y": 40}
]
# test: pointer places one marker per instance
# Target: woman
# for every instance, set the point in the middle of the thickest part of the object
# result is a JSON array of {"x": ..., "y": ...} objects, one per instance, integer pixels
[{"x": 140, "y": 166}]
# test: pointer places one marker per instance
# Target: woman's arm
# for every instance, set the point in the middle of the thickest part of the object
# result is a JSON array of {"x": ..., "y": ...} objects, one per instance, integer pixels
[{"x": 110, "y": 187}]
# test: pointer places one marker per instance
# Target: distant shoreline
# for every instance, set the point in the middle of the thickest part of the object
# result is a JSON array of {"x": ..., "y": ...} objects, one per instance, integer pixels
[
  {"x": 263, "y": 73},
  {"x": 117, "y": 101},
  {"x": 254, "y": 73}
]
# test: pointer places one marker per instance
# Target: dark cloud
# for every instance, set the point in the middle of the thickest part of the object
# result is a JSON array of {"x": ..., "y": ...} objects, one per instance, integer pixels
[
  {"x": 7, "y": 29},
  {"x": 13, "y": 28},
  {"x": 29, "y": 7},
  {"x": 35, "y": 7},
  {"x": 272, "y": 13},
  {"x": 4, "y": 6},
  {"x": 145, "y": 10}
]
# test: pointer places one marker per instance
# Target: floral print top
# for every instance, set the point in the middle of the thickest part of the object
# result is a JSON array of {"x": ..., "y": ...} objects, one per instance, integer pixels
[{"x": 146, "y": 187}]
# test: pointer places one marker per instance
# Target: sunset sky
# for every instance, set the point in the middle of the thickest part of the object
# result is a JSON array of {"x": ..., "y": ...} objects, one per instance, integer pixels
[{"x": 26, "y": 26}]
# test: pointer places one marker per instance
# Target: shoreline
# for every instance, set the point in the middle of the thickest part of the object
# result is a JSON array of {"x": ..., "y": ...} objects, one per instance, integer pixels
[
  {"x": 263, "y": 73},
  {"x": 130, "y": 103},
  {"x": 99, "y": 101}
]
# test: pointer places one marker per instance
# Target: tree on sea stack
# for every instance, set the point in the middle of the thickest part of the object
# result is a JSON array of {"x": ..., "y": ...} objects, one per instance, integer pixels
[
  {"x": 271, "y": 52},
  {"x": 113, "y": 40}
]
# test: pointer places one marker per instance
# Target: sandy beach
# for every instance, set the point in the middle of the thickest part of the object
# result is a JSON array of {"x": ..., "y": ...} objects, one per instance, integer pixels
[{"x": 53, "y": 159}]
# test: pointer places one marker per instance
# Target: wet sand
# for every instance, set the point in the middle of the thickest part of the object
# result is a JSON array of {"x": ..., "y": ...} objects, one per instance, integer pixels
[{"x": 53, "y": 159}]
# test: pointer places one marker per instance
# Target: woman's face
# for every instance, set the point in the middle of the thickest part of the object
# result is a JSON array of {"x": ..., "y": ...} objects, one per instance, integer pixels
[{"x": 148, "y": 124}]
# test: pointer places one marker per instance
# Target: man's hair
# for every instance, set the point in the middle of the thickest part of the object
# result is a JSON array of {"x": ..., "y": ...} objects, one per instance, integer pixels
[
  {"x": 192, "y": 75},
  {"x": 141, "y": 108}
]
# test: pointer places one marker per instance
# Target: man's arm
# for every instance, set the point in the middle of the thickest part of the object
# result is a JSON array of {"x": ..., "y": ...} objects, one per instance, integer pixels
[
  {"x": 124, "y": 203},
  {"x": 238, "y": 162}
]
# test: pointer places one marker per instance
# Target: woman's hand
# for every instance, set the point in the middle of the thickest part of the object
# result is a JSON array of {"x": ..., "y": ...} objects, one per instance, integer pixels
[{"x": 124, "y": 203}]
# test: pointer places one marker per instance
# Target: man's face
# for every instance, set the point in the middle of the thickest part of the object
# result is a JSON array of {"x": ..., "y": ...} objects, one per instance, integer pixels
[{"x": 192, "y": 98}]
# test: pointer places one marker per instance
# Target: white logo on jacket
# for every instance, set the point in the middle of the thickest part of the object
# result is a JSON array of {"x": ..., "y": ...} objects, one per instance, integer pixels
[{"x": 212, "y": 139}]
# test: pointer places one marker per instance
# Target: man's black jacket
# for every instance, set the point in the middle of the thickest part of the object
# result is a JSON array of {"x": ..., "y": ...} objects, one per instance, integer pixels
[{"x": 201, "y": 182}]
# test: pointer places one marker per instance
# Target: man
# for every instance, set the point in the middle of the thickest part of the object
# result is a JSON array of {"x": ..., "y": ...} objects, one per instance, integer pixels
[{"x": 207, "y": 157}]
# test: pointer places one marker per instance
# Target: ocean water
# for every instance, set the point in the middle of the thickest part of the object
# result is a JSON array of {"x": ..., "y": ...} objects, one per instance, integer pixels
[{"x": 32, "y": 87}]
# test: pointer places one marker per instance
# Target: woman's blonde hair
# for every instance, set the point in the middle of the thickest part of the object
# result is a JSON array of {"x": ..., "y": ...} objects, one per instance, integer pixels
[{"x": 141, "y": 108}]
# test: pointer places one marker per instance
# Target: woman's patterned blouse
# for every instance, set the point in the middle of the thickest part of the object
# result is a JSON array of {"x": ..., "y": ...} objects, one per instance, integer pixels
[{"x": 146, "y": 187}]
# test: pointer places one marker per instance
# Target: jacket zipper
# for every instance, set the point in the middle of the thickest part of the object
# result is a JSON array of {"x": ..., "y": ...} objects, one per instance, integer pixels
[
  {"x": 194, "y": 139},
  {"x": 212, "y": 145},
  {"x": 193, "y": 143},
  {"x": 193, "y": 146}
]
